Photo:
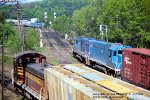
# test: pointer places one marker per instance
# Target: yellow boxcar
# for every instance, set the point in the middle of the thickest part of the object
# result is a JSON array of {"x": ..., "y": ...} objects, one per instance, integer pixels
[{"x": 78, "y": 82}]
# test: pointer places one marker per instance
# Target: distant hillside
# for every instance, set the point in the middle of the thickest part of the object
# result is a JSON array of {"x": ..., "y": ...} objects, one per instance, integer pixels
[{"x": 37, "y": 9}]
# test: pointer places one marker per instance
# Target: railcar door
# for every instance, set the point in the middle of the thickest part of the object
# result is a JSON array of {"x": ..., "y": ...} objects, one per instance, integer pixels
[
  {"x": 110, "y": 54},
  {"x": 144, "y": 77}
]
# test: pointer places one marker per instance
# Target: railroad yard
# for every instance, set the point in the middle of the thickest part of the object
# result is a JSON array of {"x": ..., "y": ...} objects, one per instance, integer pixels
[
  {"x": 56, "y": 49},
  {"x": 74, "y": 50},
  {"x": 59, "y": 48}
]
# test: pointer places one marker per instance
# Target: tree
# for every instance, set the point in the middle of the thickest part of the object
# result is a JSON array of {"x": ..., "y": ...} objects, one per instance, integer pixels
[
  {"x": 63, "y": 24},
  {"x": 85, "y": 21},
  {"x": 32, "y": 39},
  {"x": 127, "y": 20},
  {"x": 11, "y": 38}
]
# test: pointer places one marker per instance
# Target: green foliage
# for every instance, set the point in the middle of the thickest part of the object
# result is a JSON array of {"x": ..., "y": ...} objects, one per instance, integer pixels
[
  {"x": 63, "y": 24},
  {"x": 13, "y": 43},
  {"x": 127, "y": 21},
  {"x": 32, "y": 39},
  {"x": 124, "y": 19},
  {"x": 9, "y": 10},
  {"x": 8, "y": 60},
  {"x": 84, "y": 20},
  {"x": 61, "y": 7},
  {"x": 46, "y": 25},
  {"x": 11, "y": 40}
]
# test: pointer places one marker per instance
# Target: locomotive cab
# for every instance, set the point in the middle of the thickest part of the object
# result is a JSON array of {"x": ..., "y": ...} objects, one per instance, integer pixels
[
  {"x": 115, "y": 58},
  {"x": 20, "y": 62}
]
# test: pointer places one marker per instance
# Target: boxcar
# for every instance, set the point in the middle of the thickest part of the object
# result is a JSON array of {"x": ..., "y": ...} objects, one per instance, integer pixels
[
  {"x": 78, "y": 82},
  {"x": 62, "y": 87},
  {"x": 136, "y": 66}
]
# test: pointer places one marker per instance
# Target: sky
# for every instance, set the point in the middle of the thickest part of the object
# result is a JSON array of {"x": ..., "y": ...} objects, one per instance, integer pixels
[
  {"x": 29, "y": 0},
  {"x": 23, "y": 1}
]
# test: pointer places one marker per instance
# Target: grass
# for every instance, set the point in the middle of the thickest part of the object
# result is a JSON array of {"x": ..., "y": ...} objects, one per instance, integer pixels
[
  {"x": 8, "y": 60},
  {"x": 72, "y": 59},
  {"x": 50, "y": 59},
  {"x": 21, "y": 98}
]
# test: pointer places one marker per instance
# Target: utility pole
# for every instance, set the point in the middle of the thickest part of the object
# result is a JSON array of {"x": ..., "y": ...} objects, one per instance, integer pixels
[
  {"x": 3, "y": 35},
  {"x": 19, "y": 27},
  {"x": 106, "y": 33},
  {"x": 103, "y": 28}
]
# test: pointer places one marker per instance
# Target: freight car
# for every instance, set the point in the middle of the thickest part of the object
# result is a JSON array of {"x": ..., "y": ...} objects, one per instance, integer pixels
[
  {"x": 68, "y": 82},
  {"x": 108, "y": 56},
  {"x": 136, "y": 66}
]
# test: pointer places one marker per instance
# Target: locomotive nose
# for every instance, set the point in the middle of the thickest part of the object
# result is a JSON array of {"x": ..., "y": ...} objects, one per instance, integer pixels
[{"x": 119, "y": 62}]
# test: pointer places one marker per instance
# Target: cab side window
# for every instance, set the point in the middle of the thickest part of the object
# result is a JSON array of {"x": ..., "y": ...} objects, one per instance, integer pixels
[
  {"x": 115, "y": 53},
  {"x": 76, "y": 41},
  {"x": 109, "y": 53}
]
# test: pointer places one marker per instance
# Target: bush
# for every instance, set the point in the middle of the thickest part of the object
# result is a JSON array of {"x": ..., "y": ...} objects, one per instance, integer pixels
[
  {"x": 8, "y": 60},
  {"x": 32, "y": 40}
]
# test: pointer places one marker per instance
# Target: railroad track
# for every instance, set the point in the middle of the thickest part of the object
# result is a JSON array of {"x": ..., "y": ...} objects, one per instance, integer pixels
[
  {"x": 7, "y": 82},
  {"x": 57, "y": 47},
  {"x": 60, "y": 40}
]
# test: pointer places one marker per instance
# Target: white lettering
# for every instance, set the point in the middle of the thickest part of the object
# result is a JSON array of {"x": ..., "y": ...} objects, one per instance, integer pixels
[{"x": 126, "y": 59}]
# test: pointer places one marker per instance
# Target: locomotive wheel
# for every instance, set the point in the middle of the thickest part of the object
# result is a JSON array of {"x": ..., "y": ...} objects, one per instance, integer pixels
[{"x": 105, "y": 71}]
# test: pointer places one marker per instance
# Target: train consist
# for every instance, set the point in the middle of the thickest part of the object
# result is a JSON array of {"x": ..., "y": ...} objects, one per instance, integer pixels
[
  {"x": 26, "y": 23},
  {"x": 133, "y": 64},
  {"x": 36, "y": 79}
]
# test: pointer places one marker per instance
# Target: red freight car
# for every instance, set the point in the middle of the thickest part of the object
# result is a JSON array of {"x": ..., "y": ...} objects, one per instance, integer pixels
[{"x": 136, "y": 66}]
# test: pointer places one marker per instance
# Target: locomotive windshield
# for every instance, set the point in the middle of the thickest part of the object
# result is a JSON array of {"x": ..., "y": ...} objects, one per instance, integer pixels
[{"x": 119, "y": 51}]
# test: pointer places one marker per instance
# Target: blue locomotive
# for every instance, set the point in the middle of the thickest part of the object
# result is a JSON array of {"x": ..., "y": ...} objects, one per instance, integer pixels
[{"x": 104, "y": 55}]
